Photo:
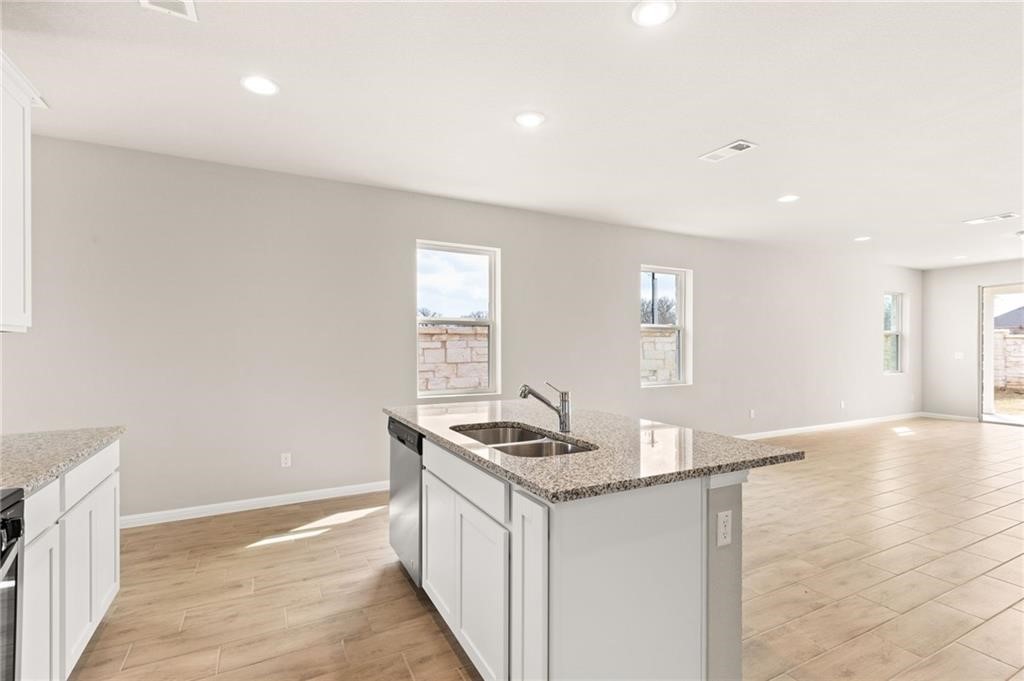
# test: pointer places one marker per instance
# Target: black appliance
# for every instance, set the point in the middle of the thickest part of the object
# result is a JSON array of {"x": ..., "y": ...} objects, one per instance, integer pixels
[{"x": 12, "y": 547}]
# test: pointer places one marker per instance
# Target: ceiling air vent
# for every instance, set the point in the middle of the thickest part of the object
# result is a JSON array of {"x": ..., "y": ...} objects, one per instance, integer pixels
[
  {"x": 731, "y": 149},
  {"x": 992, "y": 218},
  {"x": 183, "y": 9}
]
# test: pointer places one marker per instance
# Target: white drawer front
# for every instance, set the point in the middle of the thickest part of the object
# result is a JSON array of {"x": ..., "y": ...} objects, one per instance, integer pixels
[
  {"x": 86, "y": 476},
  {"x": 42, "y": 509},
  {"x": 487, "y": 492}
]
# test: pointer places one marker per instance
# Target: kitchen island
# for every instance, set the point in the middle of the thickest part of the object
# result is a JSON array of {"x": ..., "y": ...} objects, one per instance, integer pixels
[{"x": 619, "y": 562}]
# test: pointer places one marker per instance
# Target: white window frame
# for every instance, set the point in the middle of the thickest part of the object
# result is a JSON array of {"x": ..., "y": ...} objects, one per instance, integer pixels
[
  {"x": 684, "y": 325},
  {"x": 898, "y": 330},
  {"x": 493, "y": 321}
]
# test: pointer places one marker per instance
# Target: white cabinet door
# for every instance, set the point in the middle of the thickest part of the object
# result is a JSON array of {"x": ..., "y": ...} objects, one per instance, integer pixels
[
  {"x": 106, "y": 545},
  {"x": 482, "y": 550},
  {"x": 439, "y": 577},
  {"x": 91, "y": 566},
  {"x": 40, "y": 625},
  {"x": 529, "y": 589},
  {"x": 15, "y": 201}
]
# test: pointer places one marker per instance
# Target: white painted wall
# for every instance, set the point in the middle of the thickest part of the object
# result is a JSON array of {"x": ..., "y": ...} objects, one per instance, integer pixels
[
  {"x": 221, "y": 314},
  {"x": 951, "y": 327}
]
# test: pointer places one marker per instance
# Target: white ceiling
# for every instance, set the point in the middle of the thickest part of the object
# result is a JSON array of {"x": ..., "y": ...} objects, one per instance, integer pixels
[{"x": 895, "y": 120}]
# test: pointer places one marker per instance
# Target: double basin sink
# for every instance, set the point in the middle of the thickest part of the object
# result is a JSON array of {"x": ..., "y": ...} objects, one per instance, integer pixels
[{"x": 520, "y": 440}]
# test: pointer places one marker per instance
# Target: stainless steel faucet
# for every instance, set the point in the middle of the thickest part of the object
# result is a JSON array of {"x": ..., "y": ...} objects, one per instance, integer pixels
[{"x": 564, "y": 408}]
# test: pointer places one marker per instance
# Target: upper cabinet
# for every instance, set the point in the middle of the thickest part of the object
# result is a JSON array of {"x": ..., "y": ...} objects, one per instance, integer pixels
[{"x": 16, "y": 198}]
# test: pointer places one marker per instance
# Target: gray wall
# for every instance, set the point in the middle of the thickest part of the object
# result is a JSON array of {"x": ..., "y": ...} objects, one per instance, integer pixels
[
  {"x": 225, "y": 315},
  {"x": 950, "y": 327}
]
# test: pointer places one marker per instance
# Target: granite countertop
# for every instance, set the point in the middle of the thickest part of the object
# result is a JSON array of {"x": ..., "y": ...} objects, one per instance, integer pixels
[
  {"x": 31, "y": 460},
  {"x": 631, "y": 452}
]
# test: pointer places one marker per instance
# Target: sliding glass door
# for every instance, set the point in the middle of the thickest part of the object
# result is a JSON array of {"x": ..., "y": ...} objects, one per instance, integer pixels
[{"x": 1001, "y": 370}]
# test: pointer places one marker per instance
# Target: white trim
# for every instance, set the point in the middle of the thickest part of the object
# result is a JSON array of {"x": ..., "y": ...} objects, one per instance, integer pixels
[
  {"x": 170, "y": 515},
  {"x": 493, "y": 321},
  {"x": 12, "y": 71},
  {"x": 854, "y": 422},
  {"x": 946, "y": 417},
  {"x": 728, "y": 479}
]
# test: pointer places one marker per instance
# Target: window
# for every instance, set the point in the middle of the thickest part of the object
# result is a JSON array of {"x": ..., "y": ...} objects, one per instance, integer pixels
[
  {"x": 456, "y": 319},
  {"x": 664, "y": 326},
  {"x": 892, "y": 333}
]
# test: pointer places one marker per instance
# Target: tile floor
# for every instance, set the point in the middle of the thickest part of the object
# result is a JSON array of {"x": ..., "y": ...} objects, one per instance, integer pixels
[{"x": 893, "y": 552}]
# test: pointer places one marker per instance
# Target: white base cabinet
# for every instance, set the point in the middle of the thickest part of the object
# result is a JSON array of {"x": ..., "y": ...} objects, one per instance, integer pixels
[
  {"x": 439, "y": 551},
  {"x": 40, "y": 623},
  {"x": 466, "y": 574},
  {"x": 482, "y": 589},
  {"x": 72, "y": 565},
  {"x": 529, "y": 590},
  {"x": 91, "y": 567},
  {"x": 614, "y": 586}
]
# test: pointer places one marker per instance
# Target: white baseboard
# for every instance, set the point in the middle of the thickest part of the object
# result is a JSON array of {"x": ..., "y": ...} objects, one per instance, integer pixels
[
  {"x": 854, "y": 422},
  {"x": 139, "y": 519},
  {"x": 946, "y": 417}
]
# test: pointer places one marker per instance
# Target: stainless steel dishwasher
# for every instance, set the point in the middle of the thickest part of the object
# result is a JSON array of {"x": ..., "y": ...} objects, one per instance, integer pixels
[{"x": 404, "y": 504}]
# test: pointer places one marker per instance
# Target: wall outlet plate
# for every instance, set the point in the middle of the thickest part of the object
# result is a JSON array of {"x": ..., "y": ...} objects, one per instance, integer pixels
[
  {"x": 286, "y": 460},
  {"x": 723, "y": 532}
]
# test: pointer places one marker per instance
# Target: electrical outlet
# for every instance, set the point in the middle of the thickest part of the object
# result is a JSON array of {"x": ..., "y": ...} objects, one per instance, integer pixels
[
  {"x": 724, "y": 533},
  {"x": 753, "y": 414},
  {"x": 286, "y": 460},
  {"x": 958, "y": 355},
  {"x": 842, "y": 404}
]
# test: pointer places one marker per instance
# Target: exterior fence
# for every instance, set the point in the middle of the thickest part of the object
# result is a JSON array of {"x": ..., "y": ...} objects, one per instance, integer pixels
[{"x": 1008, "y": 359}]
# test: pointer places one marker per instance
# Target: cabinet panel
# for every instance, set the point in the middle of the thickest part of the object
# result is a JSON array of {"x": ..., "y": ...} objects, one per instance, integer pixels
[
  {"x": 40, "y": 633},
  {"x": 483, "y": 555},
  {"x": 439, "y": 546},
  {"x": 42, "y": 509},
  {"x": 15, "y": 212},
  {"x": 90, "y": 570},
  {"x": 106, "y": 549},
  {"x": 529, "y": 590},
  {"x": 87, "y": 476},
  {"x": 75, "y": 583},
  {"x": 486, "y": 491}
]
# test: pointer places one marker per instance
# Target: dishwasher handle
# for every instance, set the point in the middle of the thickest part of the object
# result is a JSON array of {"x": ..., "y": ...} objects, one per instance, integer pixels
[{"x": 412, "y": 439}]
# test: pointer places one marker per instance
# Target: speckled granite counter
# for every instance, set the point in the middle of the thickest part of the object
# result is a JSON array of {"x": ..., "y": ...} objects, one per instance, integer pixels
[
  {"x": 630, "y": 452},
  {"x": 31, "y": 460}
]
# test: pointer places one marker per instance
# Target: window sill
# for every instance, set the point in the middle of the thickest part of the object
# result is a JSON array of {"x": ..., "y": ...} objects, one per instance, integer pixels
[
  {"x": 457, "y": 396},
  {"x": 679, "y": 384},
  {"x": 893, "y": 373}
]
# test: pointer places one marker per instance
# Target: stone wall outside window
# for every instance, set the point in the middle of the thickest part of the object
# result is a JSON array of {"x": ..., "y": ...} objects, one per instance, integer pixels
[
  {"x": 452, "y": 357},
  {"x": 659, "y": 355}
]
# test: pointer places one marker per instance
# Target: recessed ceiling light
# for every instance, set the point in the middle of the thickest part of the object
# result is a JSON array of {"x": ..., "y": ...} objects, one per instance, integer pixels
[
  {"x": 788, "y": 198},
  {"x": 862, "y": 238},
  {"x": 530, "y": 119},
  {"x": 959, "y": 257},
  {"x": 260, "y": 85},
  {"x": 653, "y": 12},
  {"x": 991, "y": 218}
]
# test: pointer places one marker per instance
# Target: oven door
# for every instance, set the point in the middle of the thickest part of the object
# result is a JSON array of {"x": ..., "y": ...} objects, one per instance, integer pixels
[{"x": 11, "y": 565}]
